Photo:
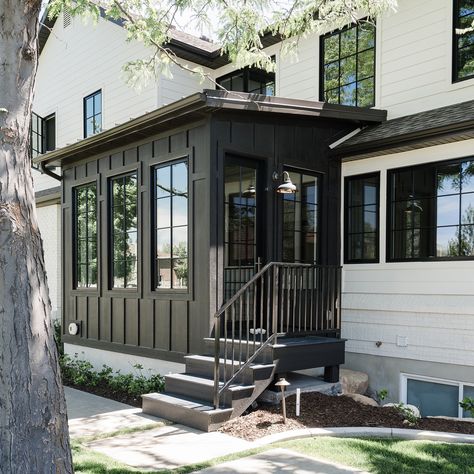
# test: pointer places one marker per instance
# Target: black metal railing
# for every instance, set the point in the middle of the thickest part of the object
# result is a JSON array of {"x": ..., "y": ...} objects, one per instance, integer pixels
[{"x": 279, "y": 300}]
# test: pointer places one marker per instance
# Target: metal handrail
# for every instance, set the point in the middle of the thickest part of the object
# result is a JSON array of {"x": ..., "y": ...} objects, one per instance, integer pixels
[{"x": 279, "y": 296}]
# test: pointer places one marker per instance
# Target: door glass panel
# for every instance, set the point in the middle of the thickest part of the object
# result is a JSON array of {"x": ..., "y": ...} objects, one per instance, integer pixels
[
  {"x": 433, "y": 399},
  {"x": 240, "y": 221},
  {"x": 300, "y": 219}
]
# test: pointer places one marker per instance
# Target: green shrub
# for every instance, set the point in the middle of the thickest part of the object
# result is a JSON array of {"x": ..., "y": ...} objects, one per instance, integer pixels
[
  {"x": 382, "y": 394},
  {"x": 81, "y": 373},
  {"x": 468, "y": 405}
]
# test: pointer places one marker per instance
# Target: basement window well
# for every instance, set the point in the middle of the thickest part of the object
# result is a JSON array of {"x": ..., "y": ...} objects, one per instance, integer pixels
[{"x": 435, "y": 397}]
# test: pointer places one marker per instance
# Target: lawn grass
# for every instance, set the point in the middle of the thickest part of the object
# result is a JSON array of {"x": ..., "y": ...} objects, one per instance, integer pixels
[
  {"x": 379, "y": 456},
  {"x": 389, "y": 456}
]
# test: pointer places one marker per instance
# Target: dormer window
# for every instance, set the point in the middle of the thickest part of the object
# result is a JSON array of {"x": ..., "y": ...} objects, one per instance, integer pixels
[
  {"x": 93, "y": 114},
  {"x": 251, "y": 80}
]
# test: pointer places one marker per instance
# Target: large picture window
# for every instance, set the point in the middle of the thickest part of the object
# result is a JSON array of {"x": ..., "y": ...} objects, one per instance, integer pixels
[
  {"x": 432, "y": 211},
  {"x": 347, "y": 72},
  {"x": 362, "y": 219},
  {"x": 171, "y": 225},
  {"x": 124, "y": 231},
  {"x": 85, "y": 206},
  {"x": 300, "y": 219},
  {"x": 463, "y": 42}
]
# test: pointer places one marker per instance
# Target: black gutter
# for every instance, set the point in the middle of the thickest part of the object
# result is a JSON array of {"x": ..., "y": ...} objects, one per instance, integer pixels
[{"x": 48, "y": 172}]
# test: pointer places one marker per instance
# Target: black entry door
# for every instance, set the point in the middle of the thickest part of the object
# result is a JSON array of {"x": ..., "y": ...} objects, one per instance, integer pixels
[{"x": 243, "y": 232}]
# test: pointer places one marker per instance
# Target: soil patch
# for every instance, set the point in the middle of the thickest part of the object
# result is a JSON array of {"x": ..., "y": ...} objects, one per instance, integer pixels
[
  {"x": 102, "y": 390},
  {"x": 322, "y": 411}
]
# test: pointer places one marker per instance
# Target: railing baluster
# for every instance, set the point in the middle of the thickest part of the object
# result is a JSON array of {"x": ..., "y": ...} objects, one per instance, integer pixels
[
  {"x": 281, "y": 301},
  {"x": 225, "y": 345},
  {"x": 268, "y": 297},
  {"x": 232, "y": 312},
  {"x": 240, "y": 326},
  {"x": 306, "y": 300},
  {"x": 275, "y": 303},
  {"x": 300, "y": 296},
  {"x": 247, "y": 318}
]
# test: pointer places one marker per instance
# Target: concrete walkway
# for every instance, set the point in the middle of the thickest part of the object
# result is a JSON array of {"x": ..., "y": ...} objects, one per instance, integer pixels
[{"x": 279, "y": 461}]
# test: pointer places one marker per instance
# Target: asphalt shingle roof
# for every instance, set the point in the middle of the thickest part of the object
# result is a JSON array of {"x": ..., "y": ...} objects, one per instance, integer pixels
[{"x": 443, "y": 119}]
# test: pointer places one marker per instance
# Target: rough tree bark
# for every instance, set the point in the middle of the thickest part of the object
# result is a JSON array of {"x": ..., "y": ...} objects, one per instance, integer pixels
[{"x": 33, "y": 423}]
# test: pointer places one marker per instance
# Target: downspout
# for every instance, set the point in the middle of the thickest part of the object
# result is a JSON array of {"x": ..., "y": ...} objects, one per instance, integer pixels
[{"x": 50, "y": 173}]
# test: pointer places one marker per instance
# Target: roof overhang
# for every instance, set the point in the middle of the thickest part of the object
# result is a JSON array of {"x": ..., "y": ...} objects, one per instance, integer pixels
[
  {"x": 409, "y": 141},
  {"x": 197, "y": 107}
]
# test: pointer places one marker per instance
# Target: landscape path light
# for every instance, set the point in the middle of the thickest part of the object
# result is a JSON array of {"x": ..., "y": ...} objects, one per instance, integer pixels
[{"x": 283, "y": 383}]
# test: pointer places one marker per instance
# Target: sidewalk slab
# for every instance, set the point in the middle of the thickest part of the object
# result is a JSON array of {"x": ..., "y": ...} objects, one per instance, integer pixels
[
  {"x": 281, "y": 461},
  {"x": 90, "y": 415},
  {"x": 168, "y": 447}
]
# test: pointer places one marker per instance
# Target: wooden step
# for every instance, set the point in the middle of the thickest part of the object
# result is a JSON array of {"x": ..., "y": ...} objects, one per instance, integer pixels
[
  {"x": 203, "y": 388},
  {"x": 187, "y": 411},
  {"x": 203, "y": 366},
  {"x": 240, "y": 349}
]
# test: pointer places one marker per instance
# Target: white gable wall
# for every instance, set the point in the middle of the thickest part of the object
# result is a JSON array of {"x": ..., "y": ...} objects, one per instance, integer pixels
[{"x": 79, "y": 60}]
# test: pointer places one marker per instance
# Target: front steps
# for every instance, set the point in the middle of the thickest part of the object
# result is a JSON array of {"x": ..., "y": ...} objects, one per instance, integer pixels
[{"x": 188, "y": 397}]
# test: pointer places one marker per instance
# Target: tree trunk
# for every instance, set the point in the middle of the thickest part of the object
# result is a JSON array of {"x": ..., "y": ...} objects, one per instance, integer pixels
[{"x": 33, "y": 423}]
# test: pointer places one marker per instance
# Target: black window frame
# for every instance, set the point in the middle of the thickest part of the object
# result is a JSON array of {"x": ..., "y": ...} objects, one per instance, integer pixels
[
  {"x": 347, "y": 207},
  {"x": 153, "y": 219},
  {"x": 110, "y": 243},
  {"x": 322, "y": 64},
  {"x": 39, "y": 134},
  {"x": 75, "y": 260},
  {"x": 319, "y": 207},
  {"x": 433, "y": 227},
  {"x": 246, "y": 73},
  {"x": 455, "y": 49},
  {"x": 85, "y": 117}
]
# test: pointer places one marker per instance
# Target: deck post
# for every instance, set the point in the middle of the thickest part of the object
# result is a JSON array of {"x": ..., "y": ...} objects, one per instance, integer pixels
[{"x": 331, "y": 374}]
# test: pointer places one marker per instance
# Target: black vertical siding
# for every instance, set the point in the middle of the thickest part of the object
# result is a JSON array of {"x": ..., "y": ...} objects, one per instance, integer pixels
[
  {"x": 147, "y": 322},
  {"x": 167, "y": 325}
]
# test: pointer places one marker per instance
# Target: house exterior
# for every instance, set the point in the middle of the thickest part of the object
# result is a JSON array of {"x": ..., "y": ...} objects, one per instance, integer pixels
[{"x": 403, "y": 200}]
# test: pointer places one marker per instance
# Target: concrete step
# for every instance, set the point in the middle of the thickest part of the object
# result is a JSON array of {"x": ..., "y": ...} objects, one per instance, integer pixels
[
  {"x": 203, "y": 388},
  {"x": 240, "y": 348},
  {"x": 187, "y": 411}
]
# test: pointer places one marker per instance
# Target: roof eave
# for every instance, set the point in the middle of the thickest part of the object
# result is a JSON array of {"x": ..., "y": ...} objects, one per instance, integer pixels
[{"x": 408, "y": 141}]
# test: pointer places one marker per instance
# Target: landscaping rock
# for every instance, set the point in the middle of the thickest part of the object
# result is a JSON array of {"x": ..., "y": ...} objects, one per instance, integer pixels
[
  {"x": 412, "y": 408},
  {"x": 353, "y": 381},
  {"x": 362, "y": 399}
]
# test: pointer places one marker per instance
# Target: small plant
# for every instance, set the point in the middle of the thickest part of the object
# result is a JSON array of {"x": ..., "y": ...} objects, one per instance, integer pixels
[
  {"x": 410, "y": 418},
  {"x": 81, "y": 373},
  {"x": 468, "y": 405},
  {"x": 382, "y": 394}
]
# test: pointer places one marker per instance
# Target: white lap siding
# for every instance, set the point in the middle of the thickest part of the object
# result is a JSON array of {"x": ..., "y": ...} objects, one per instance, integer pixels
[{"x": 427, "y": 305}]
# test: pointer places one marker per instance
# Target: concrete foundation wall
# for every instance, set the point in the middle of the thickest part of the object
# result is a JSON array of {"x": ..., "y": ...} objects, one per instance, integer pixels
[
  {"x": 384, "y": 372},
  {"x": 122, "y": 362}
]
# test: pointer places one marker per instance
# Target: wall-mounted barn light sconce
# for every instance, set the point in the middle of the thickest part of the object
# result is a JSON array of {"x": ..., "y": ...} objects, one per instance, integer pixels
[{"x": 287, "y": 187}]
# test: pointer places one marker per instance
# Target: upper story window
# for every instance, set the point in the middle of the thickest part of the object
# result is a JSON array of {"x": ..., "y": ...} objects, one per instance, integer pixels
[
  {"x": 463, "y": 43},
  {"x": 361, "y": 236},
  {"x": 85, "y": 253},
  {"x": 43, "y": 134},
  {"x": 171, "y": 225},
  {"x": 300, "y": 219},
  {"x": 347, "y": 72},
  {"x": 251, "y": 80},
  {"x": 431, "y": 211},
  {"x": 124, "y": 229},
  {"x": 93, "y": 114}
]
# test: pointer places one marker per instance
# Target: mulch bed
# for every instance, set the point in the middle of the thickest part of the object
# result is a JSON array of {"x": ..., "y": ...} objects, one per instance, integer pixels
[
  {"x": 102, "y": 390},
  {"x": 320, "y": 411}
]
